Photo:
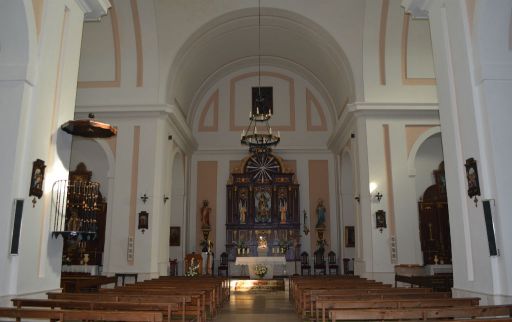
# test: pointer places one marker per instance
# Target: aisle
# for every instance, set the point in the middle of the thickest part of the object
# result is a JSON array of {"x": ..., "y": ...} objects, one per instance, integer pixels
[{"x": 271, "y": 306}]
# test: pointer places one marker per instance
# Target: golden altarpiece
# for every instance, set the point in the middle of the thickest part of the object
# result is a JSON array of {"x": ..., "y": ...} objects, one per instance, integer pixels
[{"x": 263, "y": 217}]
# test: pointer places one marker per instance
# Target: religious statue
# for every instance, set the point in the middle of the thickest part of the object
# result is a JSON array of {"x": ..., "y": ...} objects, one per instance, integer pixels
[
  {"x": 283, "y": 207},
  {"x": 320, "y": 212},
  {"x": 242, "y": 208},
  {"x": 205, "y": 215},
  {"x": 263, "y": 211},
  {"x": 73, "y": 222}
]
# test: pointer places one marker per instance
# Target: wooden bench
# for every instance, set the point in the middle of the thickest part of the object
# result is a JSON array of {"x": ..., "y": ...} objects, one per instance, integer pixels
[
  {"x": 323, "y": 306},
  {"x": 168, "y": 309},
  {"x": 189, "y": 305},
  {"x": 81, "y": 282},
  {"x": 74, "y": 315},
  {"x": 459, "y": 312}
]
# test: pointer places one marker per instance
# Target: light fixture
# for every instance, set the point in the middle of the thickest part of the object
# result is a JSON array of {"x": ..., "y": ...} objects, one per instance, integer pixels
[
  {"x": 144, "y": 198},
  {"x": 258, "y": 135}
]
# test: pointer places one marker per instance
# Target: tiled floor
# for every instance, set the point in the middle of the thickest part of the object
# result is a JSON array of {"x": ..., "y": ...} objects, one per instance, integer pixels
[{"x": 266, "y": 307}]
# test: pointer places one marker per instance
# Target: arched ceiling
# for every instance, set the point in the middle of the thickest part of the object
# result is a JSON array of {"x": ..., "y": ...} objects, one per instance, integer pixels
[{"x": 287, "y": 39}]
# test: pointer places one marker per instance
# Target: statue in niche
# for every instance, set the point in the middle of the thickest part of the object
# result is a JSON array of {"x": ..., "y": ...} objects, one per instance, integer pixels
[
  {"x": 205, "y": 215},
  {"x": 283, "y": 207},
  {"x": 263, "y": 206},
  {"x": 320, "y": 212},
  {"x": 73, "y": 222},
  {"x": 242, "y": 206}
]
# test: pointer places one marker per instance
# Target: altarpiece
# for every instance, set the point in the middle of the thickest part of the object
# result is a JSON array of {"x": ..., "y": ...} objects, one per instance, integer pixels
[{"x": 262, "y": 209}]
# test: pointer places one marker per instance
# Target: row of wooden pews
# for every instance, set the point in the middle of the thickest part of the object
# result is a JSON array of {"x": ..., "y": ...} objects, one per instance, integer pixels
[
  {"x": 344, "y": 298},
  {"x": 166, "y": 298}
]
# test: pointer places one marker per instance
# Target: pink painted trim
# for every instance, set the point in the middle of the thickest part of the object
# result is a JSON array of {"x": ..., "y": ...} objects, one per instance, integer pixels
[
  {"x": 413, "y": 132},
  {"x": 232, "y": 100},
  {"x": 382, "y": 40},
  {"x": 117, "y": 57},
  {"x": 405, "y": 42},
  {"x": 134, "y": 183},
  {"x": 212, "y": 101},
  {"x": 138, "y": 42},
  {"x": 389, "y": 180},
  {"x": 310, "y": 102}
]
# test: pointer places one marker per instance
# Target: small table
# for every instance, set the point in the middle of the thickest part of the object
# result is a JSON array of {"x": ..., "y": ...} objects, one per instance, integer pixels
[{"x": 268, "y": 261}]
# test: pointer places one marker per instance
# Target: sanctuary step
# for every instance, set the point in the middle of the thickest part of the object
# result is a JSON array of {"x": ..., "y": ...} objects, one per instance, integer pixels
[{"x": 257, "y": 286}]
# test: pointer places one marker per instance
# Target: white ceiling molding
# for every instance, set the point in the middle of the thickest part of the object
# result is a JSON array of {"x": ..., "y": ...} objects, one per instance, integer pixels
[
  {"x": 94, "y": 9},
  {"x": 417, "y": 8}
]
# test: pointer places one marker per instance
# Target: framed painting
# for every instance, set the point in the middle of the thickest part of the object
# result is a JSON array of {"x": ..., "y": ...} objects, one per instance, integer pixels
[
  {"x": 380, "y": 220},
  {"x": 174, "y": 236},
  {"x": 37, "y": 178},
  {"x": 350, "y": 237},
  {"x": 472, "y": 177},
  {"x": 143, "y": 220}
]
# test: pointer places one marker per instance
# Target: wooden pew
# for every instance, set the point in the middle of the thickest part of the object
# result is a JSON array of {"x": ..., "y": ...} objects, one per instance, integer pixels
[
  {"x": 168, "y": 309},
  {"x": 74, "y": 315},
  {"x": 307, "y": 303},
  {"x": 323, "y": 306},
  {"x": 189, "y": 304},
  {"x": 203, "y": 302},
  {"x": 422, "y": 313},
  {"x": 80, "y": 282}
]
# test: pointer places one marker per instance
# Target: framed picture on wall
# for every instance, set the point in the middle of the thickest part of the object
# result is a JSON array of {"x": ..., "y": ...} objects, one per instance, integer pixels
[
  {"x": 37, "y": 178},
  {"x": 174, "y": 236},
  {"x": 472, "y": 176},
  {"x": 350, "y": 236}
]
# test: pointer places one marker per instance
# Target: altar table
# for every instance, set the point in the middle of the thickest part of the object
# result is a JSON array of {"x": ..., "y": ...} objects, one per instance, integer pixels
[{"x": 268, "y": 261}]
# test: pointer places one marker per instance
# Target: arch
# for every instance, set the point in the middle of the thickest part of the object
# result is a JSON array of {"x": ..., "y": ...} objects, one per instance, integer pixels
[
  {"x": 18, "y": 49},
  {"x": 284, "y": 35},
  {"x": 411, "y": 168}
]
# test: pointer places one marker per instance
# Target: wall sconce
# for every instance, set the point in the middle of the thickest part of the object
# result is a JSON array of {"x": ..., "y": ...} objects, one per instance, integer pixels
[
  {"x": 165, "y": 198},
  {"x": 380, "y": 220},
  {"x": 144, "y": 198},
  {"x": 357, "y": 198},
  {"x": 378, "y": 196},
  {"x": 143, "y": 221}
]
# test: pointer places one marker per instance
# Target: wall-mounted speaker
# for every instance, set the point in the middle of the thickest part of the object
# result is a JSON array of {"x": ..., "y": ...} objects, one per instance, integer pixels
[
  {"x": 16, "y": 227},
  {"x": 489, "y": 227}
]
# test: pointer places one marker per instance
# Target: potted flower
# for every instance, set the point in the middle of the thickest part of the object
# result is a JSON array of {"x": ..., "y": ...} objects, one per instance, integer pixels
[
  {"x": 193, "y": 269},
  {"x": 260, "y": 270}
]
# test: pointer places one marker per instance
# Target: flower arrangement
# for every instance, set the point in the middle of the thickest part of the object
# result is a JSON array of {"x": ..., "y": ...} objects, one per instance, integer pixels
[
  {"x": 260, "y": 270},
  {"x": 193, "y": 269}
]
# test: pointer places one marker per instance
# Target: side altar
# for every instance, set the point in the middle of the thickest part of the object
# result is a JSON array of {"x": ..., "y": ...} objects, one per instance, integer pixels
[
  {"x": 263, "y": 216},
  {"x": 268, "y": 261}
]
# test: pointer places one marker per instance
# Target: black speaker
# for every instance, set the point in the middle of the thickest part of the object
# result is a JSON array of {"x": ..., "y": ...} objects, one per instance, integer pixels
[
  {"x": 16, "y": 227},
  {"x": 489, "y": 226}
]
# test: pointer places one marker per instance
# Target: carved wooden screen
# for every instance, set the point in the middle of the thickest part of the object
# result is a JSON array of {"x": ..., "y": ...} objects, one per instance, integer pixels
[{"x": 262, "y": 204}]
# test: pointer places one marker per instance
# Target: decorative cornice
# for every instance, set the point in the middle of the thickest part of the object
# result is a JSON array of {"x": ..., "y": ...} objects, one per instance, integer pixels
[
  {"x": 93, "y": 9},
  {"x": 417, "y": 8},
  {"x": 343, "y": 128}
]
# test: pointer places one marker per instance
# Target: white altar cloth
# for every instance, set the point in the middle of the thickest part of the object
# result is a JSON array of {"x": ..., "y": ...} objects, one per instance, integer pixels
[{"x": 269, "y": 261}]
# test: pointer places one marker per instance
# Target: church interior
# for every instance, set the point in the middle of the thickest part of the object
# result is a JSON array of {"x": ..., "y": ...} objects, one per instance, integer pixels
[{"x": 228, "y": 145}]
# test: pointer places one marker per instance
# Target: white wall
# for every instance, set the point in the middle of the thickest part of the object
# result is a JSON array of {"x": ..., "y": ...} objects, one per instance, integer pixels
[
  {"x": 39, "y": 72},
  {"x": 472, "y": 59}
]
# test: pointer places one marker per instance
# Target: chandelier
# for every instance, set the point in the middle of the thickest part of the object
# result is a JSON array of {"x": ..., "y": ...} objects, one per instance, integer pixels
[{"x": 258, "y": 135}]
